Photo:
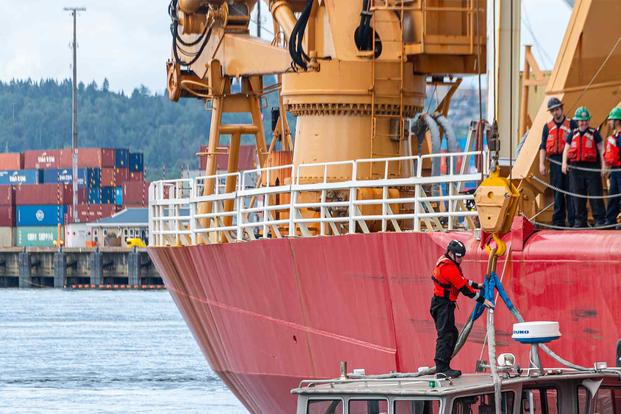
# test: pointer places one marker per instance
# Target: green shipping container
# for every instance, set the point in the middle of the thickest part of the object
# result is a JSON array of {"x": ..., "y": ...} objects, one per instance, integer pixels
[{"x": 37, "y": 236}]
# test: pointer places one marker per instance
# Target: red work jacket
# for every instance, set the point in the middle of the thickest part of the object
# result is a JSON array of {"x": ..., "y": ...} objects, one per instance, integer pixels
[
  {"x": 448, "y": 279},
  {"x": 555, "y": 142},
  {"x": 612, "y": 156},
  {"x": 583, "y": 147}
]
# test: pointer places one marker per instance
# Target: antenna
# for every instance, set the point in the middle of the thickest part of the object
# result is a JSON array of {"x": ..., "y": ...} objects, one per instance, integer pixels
[
  {"x": 259, "y": 19},
  {"x": 74, "y": 115}
]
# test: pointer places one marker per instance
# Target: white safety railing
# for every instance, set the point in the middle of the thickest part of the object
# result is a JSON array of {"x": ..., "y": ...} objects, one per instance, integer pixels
[{"x": 180, "y": 212}]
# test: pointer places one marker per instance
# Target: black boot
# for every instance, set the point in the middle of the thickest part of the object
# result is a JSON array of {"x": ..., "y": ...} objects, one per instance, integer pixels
[{"x": 448, "y": 373}]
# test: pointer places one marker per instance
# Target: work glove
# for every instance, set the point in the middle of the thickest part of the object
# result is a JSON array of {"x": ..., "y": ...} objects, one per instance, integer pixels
[
  {"x": 488, "y": 304},
  {"x": 476, "y": 285}
]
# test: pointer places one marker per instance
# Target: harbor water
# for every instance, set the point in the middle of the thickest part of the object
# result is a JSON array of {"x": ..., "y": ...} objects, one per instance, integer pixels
[{"x": 102, "y": 352}]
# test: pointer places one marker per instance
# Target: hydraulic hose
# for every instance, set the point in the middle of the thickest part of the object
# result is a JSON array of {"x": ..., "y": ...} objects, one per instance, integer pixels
[
  {"x": 296, "y": 46},
  {"x": 361, "y": 35},
  {"x": 436, "y": 148},
  {"x": 451, "y": 137}
]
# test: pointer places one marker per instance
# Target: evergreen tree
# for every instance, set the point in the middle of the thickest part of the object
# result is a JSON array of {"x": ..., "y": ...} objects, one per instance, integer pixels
[{"x": 37, "y": 115}]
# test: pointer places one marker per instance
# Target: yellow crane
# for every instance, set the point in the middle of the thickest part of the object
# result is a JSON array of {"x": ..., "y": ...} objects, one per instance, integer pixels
[{"x": 354, "y": 72}]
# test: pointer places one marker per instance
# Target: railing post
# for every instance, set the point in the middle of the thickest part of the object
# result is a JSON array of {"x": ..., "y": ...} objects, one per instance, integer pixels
[
  {"x": 266, "y": 204},
  {"x": 292, "y": 211},
  {"x": 322, "y": 213},
  {"x": 239, "y": 200},
  {"x": 417, "y": 195},
  {"x": 384, "y": 208},
  {"x": 177, "y": 212},
  {"x": 352, "y": 198},
  {"x": 293, "y": 199},
  {"x": 451, "y": 192},
  {"x": 152, "y": 239},
  {"x": 192, "y": 212}
]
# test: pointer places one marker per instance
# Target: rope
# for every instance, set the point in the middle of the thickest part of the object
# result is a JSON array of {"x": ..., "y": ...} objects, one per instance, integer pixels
[
  {"x": 569, "y": 193},
  {"x": 601, "y": 67},
  {"x": 502, "y": 276},
  {"x": 542, "y": 211},
  {"x": 575, "y": 167},
  {"x": 553, "y": 227},
  {"x": 493, "y": 283}
]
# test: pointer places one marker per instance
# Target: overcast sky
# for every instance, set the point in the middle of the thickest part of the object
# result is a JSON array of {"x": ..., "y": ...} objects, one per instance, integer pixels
[{"x": 128, "y": 42}]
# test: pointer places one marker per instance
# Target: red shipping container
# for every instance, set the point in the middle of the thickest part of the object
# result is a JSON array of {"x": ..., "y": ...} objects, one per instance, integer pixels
[
  {"x": 108, "y": 157},
  {"x": 108, "y": 177},
  {"x": 202, "y": 157},
  {"x": 136, "y": 193},
  {"x": 89, "y": 158},
  {"x": 83, "y": 193},
  {"x": 11, "y": 161},
  {"x": 121, "y": 175},
  {"x": 247, "y": 158},
  {"x": 7, "y": 195},
  {"x": 42, "y": 159},
  {"x": 33, "y": 194},
  {"x": 88, "y": 213},
  {"x": 7, "y": 215},
  {"x": 136, "y": 176}
]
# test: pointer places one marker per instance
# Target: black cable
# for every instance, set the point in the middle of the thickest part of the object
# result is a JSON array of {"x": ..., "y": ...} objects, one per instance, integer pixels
[
  {"x": 176, "y": 38},
  {"x": 194, "y": 42},
  {"x": 361, "y": 35},
  {"x": 198, "y": 53},
  {"x": 296, "y": 47}
]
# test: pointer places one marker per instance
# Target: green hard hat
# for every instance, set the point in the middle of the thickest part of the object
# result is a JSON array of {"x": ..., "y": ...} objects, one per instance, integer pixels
[
  {"x": 582, "y": 114},
  {"x": 615, "y": 114}
]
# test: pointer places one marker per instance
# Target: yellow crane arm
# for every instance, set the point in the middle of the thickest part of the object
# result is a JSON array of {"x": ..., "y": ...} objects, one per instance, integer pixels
[{"x": 587, "y": 72}]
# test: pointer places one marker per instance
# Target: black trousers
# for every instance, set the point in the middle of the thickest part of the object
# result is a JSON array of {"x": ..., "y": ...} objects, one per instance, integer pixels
[
  {"x": 443, "y": 314},
  {"x": 612, "y": 211},
  {"x": 563, "y": 204},
  {"x": 588, "y": 183}
]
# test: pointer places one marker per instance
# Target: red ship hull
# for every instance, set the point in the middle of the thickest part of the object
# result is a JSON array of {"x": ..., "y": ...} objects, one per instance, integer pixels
[{"x": 270, "y": 313}]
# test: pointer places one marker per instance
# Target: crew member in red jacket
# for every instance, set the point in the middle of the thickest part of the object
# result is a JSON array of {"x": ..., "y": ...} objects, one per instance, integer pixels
[
  {"x": 583, "y": 159},
  {"x": 449, "y": 281},
  {"x": 553, "y": 140},
  {"x": 612, "y": 156}
]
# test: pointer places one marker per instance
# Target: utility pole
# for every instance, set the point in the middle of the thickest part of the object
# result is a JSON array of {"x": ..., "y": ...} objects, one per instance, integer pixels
[{"x": 74, "y": 115}]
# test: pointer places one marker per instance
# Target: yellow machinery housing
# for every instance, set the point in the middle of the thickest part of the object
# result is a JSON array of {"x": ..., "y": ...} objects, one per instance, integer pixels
[{"x": 362, "y": 73}]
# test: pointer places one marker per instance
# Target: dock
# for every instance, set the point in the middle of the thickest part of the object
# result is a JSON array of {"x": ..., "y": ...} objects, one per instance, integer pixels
[{"x": 78, "y": 268}]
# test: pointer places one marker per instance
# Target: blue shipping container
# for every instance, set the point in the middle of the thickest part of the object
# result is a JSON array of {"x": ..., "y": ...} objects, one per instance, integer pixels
[
  {"x": 89, "y": 176},
  {"x": 136, "y": 162},
  {"x": 121, "y": 158},
  {"x": 20, "y": 177},
  {"x": 40, "y": 215},
  {"x": 108, "y": 195},
  {"x": 94, "y": 195},
  {"x": 118, "y": 196}
]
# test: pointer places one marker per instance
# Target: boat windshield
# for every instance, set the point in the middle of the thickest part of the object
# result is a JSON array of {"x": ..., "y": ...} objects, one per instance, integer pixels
[
  {"x": 417, "y": 407},
  {"x": 606, "y": 401},
  {"x": 483, "y": 403},
  {"x": 542, "y": 400},
  {"x": 373, "y": 406}
]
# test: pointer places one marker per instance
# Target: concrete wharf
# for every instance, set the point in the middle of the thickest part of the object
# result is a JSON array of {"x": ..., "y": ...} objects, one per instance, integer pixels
[{"x": 85, "y": 268}]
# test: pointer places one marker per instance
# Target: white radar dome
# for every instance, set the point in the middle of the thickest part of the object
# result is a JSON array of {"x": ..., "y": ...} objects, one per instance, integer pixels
[{"x": 536, "y": 332}]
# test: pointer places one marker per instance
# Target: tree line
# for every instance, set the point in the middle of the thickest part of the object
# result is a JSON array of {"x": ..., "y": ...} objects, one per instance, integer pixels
[{"x": 37, "y": 115}]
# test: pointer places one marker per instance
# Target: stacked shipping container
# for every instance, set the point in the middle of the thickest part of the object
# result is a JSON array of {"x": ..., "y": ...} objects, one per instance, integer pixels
[
  {"x": 7, "y": 215},
  {"x": 36, "y": 193}
]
